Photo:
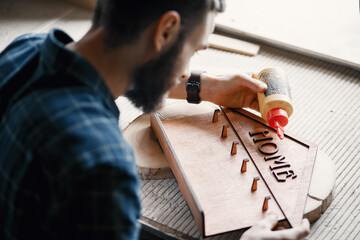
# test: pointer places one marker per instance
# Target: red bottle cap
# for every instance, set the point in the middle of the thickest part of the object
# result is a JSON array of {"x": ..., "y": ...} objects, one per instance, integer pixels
[{"x": 278, "y": 119}]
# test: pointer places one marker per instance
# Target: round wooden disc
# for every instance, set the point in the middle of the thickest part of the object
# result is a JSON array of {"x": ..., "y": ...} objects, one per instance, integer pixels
[
  {"x": 149, "y": 156},
  {"x": 153, "y": 165},
  {"x": 321, "y": 187}
]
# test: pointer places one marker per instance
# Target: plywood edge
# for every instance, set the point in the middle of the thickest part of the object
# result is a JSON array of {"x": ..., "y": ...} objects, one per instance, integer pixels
[
  {"x": 146, "y": 173},
  {"x": 180, "y": 175}
]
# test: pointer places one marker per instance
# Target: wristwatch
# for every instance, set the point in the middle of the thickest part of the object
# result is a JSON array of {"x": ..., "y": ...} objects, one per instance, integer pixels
[{"x": 193, "y": 87}]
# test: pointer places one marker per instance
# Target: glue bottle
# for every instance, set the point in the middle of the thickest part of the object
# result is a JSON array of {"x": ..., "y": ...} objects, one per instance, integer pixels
[{"x": 275, "y": 103}]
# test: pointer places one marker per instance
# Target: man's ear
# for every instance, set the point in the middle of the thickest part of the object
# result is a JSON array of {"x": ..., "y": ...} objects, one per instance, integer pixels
[{"x": 167, "y": 30}]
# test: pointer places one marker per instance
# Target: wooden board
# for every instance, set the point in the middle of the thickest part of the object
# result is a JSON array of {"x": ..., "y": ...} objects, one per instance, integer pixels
[
  {"x": 89, "y": 4},
  {"x": 153, "y": 165},
  {"x": 209, "y": 177},
  {"x": 148, "y": 154},
  {"x": 324, "y": 29},
  {"x": 150, "y": 160},
  {"x": 233, "y": 45}
]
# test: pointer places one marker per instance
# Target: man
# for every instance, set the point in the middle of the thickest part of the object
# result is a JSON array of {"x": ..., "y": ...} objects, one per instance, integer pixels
[{"x": 65, "y": 170}]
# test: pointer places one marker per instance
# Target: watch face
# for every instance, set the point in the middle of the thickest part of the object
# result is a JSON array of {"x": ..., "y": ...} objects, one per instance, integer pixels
[{"x": 193, "y": 90}]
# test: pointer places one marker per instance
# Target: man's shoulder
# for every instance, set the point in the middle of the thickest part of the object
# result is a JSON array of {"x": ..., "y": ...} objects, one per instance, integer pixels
[
  {"x": 18, "y": 52},
  {"x": 65, "y": 103},
  {"x": 76, "y": 115},
  {"x": 77, "y": 120},
  {"x": 28, "y": 39}
]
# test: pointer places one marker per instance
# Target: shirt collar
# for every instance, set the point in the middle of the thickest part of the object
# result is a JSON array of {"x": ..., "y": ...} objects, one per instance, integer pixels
[{"x": 58, "y": 58}]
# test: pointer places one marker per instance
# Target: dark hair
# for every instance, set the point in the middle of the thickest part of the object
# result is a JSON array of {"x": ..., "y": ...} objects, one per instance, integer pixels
[{"x": 124, "y": 20}]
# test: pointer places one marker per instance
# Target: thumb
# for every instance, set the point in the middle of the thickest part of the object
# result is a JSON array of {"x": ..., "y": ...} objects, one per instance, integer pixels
[{"x": 270, "y": 221}]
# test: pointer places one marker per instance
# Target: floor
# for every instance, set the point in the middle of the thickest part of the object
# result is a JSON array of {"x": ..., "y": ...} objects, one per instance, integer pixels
[{"x": 326, "y": 98}]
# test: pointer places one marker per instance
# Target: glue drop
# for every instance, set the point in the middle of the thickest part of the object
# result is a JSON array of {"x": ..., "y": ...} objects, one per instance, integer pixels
[{"x": 275, "y": 102}]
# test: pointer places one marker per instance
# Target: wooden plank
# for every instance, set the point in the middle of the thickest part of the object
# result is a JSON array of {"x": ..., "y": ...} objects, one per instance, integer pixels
[
  {"x": 289, "y": 156},
  {"x": 182, "y": 180},
  {"x": 89, "y": 4},
  {"x": 201, "y": 151},
  {"x": 233, "y": 186},
  {"x": 149, "y": 158},
  {"x": 233, "y": 45},
  {"x": 282, "y": 23}
]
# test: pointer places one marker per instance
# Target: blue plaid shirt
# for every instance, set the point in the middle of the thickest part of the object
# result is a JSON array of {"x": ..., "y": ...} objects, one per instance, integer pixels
[{"x": 65, "y": 170}]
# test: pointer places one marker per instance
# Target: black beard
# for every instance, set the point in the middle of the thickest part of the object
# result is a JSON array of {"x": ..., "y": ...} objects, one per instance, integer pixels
[{"x": 152, "y": 80}]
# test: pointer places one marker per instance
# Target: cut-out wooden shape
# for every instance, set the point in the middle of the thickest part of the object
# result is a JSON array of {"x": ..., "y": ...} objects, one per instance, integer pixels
[
  {"x": 266, "y": 203},
  {"x": 254, "y": 184},
  {"x": 233, "y": 147},
  {"x": 288, "y": 171},
  {"x": 244, "y": 165},
  {"x": 224, "y": 131},
  {"x": 193, "y": 148},
  {"x": 216, "y": 115},
  {"x": 150, "y": 161}
]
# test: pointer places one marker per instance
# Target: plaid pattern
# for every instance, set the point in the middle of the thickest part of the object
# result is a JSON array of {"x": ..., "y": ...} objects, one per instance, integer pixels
[{"x": 65, "y": 170}]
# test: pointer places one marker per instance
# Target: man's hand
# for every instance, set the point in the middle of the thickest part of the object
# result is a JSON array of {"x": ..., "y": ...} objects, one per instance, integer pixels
[
  {"x": 233, "y": 90},
  {"x": 263, "y": 230}
]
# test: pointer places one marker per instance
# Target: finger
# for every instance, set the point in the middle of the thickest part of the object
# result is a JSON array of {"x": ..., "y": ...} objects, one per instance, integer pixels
[
  {"x": 305, "y": 224},
  {"x": 294, "y": 233},
  {"x": 255, "y": 105},
  {"x": 252, "y": 83},
  {"x": 279, "y": 228},
  {"x": 269, "y": 222},
  {"x": 248, "y": 101}
]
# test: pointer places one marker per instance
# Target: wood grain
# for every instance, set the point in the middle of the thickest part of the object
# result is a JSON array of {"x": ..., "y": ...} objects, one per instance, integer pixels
[
  {"x": 299, "y": 154},
  {"x": 225, "y": 195},
  {"x": 149, "y": 157},
  {"x": 181, "y": 177},
  {"x": 153, "y": 165}
]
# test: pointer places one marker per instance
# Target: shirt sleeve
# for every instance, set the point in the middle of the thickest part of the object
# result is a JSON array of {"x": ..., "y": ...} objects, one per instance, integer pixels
[{"x": 93, "y": 180}]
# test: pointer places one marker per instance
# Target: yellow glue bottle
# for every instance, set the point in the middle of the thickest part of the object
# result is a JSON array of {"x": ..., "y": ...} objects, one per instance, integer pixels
[{"x": 275, "y": 102}]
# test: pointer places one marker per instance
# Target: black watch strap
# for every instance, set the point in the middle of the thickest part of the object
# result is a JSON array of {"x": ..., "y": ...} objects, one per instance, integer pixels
[{"x": 193, "y": 87}]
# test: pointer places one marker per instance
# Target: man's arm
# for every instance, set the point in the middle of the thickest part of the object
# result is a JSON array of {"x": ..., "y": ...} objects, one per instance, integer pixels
[{"x": 232, "y": 90}]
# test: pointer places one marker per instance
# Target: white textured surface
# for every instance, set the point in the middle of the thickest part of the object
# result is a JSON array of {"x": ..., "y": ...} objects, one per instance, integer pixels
[
  {"x": 18, "y": 17},
  {"x": 328, "y": 29}
]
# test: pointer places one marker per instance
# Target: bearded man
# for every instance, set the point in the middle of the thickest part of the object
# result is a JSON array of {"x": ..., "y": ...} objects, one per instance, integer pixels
[{"x": 66, "y": 170}]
